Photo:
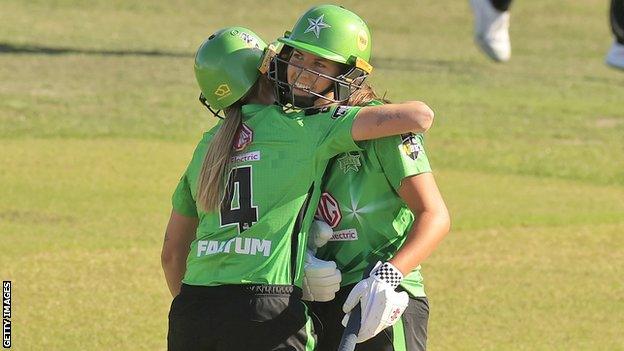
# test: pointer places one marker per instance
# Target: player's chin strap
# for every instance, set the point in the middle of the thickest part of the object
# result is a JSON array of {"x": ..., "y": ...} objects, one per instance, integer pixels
[
  {"x": 216, "y": 113},
  {"x": 303, "y": 102}
]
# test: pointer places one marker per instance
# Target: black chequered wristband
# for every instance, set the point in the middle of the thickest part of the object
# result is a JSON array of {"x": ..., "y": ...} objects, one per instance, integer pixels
[{"x": 389, "y": 274}]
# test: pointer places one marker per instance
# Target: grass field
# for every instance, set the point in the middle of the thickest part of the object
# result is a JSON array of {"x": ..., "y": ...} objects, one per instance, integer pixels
[{"x": 98, "y": 118}]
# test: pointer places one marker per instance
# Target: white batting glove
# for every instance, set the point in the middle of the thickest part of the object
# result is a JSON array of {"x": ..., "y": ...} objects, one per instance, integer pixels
[
  {"x": 319, "y": 234},
  {"x": 381, "y": 305},
  {"x": 321, "y": 279}
]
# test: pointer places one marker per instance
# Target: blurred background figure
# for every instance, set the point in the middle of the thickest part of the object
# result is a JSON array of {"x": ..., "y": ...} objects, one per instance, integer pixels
[
  {"x": 615, "y": 56},
  {"x": 491, "y": 23}
]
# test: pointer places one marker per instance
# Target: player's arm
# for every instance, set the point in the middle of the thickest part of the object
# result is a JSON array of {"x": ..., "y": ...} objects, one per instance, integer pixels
[
  {"x": 374, "y": 122},
  {"x": 420, "y": 193},
  {"x": 381, "y": 304},
  {"x": 179, "y": 234}
]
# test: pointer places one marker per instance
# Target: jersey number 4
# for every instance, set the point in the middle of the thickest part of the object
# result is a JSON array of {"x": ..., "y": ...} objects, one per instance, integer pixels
[{"x": 237, "y": 206}]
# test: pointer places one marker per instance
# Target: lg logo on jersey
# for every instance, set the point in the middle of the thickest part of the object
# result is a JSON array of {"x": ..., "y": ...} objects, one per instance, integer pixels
[
  {"x": 328, "y": 210},
  {"x": 243, "y": 137}
]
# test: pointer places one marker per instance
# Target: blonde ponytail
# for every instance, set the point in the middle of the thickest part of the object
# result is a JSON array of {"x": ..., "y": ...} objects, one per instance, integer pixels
[
  {"x": 211, "y": 183},
  {"x": 216, "y": 165}
]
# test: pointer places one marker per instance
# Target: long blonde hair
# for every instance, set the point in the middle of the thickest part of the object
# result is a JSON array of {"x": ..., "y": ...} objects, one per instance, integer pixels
[
  {"x": 365, "y": 95},
  {"x": 211, "y": 183}
]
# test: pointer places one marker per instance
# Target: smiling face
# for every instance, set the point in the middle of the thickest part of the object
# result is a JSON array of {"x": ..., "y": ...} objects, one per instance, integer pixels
[{"x": 299, "y": 75}]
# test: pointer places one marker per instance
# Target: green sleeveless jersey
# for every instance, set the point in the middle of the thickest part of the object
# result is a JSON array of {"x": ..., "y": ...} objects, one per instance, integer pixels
[
  {"x": 256, "y": 237},
  {"x": 361, "y": 203}
]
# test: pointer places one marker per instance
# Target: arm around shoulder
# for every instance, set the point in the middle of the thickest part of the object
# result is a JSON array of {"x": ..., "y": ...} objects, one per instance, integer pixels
[{"x": 374, "y": 122}]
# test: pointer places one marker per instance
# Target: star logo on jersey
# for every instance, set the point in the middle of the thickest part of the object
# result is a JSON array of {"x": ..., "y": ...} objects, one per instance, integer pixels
[
  {"x": 349, "y": 162},
  {"x": 316, "y": 25},
  {"x": 356, "y": 209}
]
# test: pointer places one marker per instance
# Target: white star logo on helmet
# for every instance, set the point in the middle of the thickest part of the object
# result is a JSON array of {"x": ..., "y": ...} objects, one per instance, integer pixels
[{"x": 315, "y": 25}]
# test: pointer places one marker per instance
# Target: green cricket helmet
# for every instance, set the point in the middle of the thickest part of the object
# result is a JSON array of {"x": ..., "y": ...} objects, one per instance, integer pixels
[
  {"x": 333, "y": 33},
  {"x": 226, "y": 66}
]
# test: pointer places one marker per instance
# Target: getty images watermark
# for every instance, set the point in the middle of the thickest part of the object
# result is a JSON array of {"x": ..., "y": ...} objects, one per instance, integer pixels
[{"x": 6, "y": 314}]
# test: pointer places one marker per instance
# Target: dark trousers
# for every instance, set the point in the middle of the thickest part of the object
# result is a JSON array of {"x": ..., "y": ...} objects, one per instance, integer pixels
[
  {"x": 238, "y": 318},
  {"x": 410, "y": 333},
  {"x": 616, "y": 15},
  {"x": 501, "y": 5}
]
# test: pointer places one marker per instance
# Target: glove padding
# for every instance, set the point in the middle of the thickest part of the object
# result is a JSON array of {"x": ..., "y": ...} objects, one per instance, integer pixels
[
  {"x": 321, "y": 279},
  {"x": 381, "y": 305},
  {"x": 319, "y": 234}
]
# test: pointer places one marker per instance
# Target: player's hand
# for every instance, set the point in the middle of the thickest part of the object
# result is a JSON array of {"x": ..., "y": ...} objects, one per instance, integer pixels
[
  {"x": 319, "y": 234},
  {"x": 321, "y": 279},
  {"x": 381, "y": 305}
]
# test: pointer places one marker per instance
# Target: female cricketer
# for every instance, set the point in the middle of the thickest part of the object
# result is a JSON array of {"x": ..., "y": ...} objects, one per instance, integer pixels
[
  {"x": 234, "y": 246},
  {"x": 382, "y": 202}
]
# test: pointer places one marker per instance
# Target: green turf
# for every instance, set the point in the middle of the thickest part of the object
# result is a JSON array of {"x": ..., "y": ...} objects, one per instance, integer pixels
[{"x": 99, "y": 115}]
